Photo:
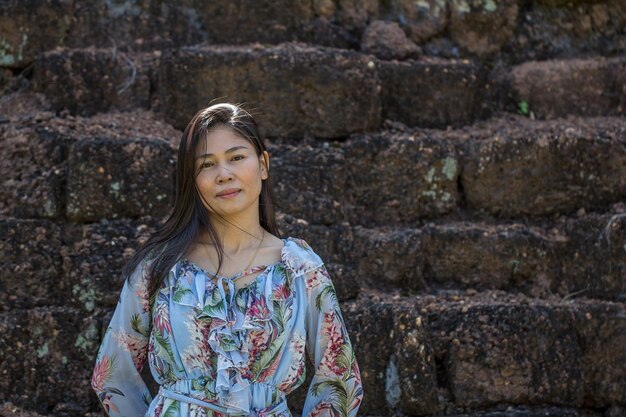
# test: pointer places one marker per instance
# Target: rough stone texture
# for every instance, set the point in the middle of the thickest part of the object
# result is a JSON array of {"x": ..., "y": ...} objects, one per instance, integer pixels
[
  {"x": 30, "y": 265},
  {"x": 546, "y": 168},
  {"x": 32, "y": 170},
  {"x": 134, "y": 24},
  {"x": 586, "y": 87},
  {"x": 601, "y": 329},
  {"x": 388, "y": 259},
  {"x": 87, "y": 81},
  {"x": 423, "y": 20},
  {"x": 46, "y": 358},
  {"x": 512, "y": 257},
  {"x": 432, "y": 92},
  {"x": 292, "y": 89},
  {"x": 247, "y": 21},
  {"x": 333, "y": 245},
  {"x": 387, "y": 40},
  {"x": 593, "y": 261},
  {"x": 368, "y": 325},
  {"x": 482, "y": 26},
  {"x": 8, "y": 409},
  {"x": 309, "y": 181},
  {"x": 512, "y": 350},
  {"x": 128, "y": 177},
  {"x": 30, "y": 27},
  {"x": 94, "y": 258},
  {"x": 565, "y": 28},
  {"x": 401, "y": 177},
  {"x": 415, "y": 363}
]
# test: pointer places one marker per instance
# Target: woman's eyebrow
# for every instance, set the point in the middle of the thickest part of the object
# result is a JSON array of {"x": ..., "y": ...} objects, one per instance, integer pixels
[{"x": 233, "y": 149}]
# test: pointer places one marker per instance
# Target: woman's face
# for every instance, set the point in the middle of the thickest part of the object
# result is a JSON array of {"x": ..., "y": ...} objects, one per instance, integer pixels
[{"x": 229, "y": 173}]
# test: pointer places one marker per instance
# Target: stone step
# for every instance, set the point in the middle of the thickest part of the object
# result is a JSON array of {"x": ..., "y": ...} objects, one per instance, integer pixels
[
  {"x": 571, "y": 257},
  {"x": 48, "y": 263},
  {"x": 459, "y": 352},
  {"x": 453, "y": 353},
  {"x": 507, "y": 167},
  {"x": 540, "y": 29},
  {"x": 288, "y": 86},
  {"x": 556, "y": 88}
]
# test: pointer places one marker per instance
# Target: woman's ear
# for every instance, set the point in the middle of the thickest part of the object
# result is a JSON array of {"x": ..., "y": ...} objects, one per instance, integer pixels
[{"x": 265, "y": 165}]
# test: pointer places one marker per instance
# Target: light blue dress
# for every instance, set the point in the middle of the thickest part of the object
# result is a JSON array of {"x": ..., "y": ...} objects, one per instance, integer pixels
[{"x": 236, "y": 352}]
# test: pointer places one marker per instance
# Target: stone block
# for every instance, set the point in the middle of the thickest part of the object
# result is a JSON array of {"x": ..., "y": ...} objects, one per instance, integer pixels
[
  {"x": 482, "y": 27},
  {"x": 432, "y": 92},
  {"x": 46, "y": 358},
  {"x": 507, "y": 350},
  {"x": 310, "y": 182},
  {"x": 28, "y": 28},
  {"x": 388, "y": 259},
  {"x": 545, "y": 87},
  {"x": 88, "y": 81},
  {"x": 30, "y": 264},
  {"x": 601, "y": 329},
  {"x": 397, "y": 178},
  {"x": 537, "y": 169},
  {"x": 128, "y": 177},
  {"x": 292, "y": 89},
  {"x": 94, "y": 258},
  {"x": 33, "y": 171},
  {"x": 512, "y": 257}
]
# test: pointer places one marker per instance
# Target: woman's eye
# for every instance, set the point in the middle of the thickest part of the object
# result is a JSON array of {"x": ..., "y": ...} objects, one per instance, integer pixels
[
  {"x": 238, "y": 157},
  {"x": 207, "y": 164}
]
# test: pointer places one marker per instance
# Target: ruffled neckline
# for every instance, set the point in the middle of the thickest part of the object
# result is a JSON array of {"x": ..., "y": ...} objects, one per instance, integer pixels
[{"x": 229, "y": 322}]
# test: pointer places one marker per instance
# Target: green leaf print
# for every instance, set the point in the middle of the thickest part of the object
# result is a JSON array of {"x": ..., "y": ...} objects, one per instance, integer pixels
[
  {"x": 345, "y": 358},
  {"x": 337, "y": 391},
  {"x": 163, "y": 346},
  {"x": 217, "y": 304},
  {"x": 135, "y": 323},
  {"x": 173, "y": 409},
  {"x": 278, "y": 336},
  {"x": 180, "y": 293},
  {"x": 328, "y": 289}
]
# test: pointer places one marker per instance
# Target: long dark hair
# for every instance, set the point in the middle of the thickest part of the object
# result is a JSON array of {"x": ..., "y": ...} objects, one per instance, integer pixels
[{"x": 190, "y": 218}]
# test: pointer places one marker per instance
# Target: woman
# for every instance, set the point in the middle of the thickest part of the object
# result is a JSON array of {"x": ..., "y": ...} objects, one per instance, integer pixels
[{"x": 221, "y": 307}]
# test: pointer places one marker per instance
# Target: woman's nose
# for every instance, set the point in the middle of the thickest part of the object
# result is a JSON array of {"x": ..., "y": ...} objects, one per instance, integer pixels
[{"x": 224, "y": 175}]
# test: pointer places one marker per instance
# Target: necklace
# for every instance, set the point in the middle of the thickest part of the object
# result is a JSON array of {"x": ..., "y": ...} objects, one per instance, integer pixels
[{"x": 256, "y": 251}]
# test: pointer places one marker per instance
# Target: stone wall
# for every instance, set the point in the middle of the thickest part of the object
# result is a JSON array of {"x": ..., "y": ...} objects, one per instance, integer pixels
[{"x": 460, "y": 165}]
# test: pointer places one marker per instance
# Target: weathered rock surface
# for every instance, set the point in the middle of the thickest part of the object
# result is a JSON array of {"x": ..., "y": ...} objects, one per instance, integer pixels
[
  {"x": 94, "y": 258},
  {"x": 128, "y": 177},
  {"x": 556, "y": 88},
  {"x": 87, "y": 81},
  {"x": 46, "y": 358},
  {"x": 432, "y": 92},
  {"x": 30, "y": 264},
  {"x": 387, "y": 40},
  {"x": 546, "y": 168},
  {"x": 296, "y": 81}
]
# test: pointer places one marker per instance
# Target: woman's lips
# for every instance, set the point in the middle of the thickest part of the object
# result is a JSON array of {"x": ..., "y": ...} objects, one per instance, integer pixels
[{"x": 229, "y": 195}]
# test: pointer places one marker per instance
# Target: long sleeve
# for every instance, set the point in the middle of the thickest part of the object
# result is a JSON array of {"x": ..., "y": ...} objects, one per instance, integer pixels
[
  {"x": 116, "y": 376},
  {"x": 336, "y": 388}
]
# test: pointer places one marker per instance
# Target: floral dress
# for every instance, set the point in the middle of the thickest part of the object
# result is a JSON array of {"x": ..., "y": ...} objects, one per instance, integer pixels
[{"x": 237, "y": 352}]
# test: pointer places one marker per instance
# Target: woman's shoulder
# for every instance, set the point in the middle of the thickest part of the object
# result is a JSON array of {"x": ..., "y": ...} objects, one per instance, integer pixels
[{"x": 299, "y": 256}]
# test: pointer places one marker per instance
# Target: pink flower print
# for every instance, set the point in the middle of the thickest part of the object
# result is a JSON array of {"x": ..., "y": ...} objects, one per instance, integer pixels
[
  {"x": 134, "y": 345},
  {"x": 281, "y": 292},
  {"x": 162, "y": 319},
  {"x": 322, "y": 409},
  {"x": 312, "y": 280},
  {"x": 332, "y": 332},
  {"x": 101, "y": 373},
  {"x": 258, "y": 308}
]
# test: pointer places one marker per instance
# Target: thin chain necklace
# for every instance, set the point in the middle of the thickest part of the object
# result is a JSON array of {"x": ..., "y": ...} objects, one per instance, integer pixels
[{"x": 206, "y": 246}]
